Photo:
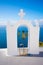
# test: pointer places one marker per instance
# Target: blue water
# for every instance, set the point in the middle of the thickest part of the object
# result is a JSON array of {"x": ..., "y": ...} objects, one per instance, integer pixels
[
  {"x": 3, "y": 38},
  {"x": 41, "y": 34}
]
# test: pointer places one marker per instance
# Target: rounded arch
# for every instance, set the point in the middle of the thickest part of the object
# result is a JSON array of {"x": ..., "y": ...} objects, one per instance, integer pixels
[{"x": 22, "y": 36}]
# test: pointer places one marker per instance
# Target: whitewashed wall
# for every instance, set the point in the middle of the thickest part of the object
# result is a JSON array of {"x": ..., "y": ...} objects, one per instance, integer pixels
[
  {"x": 11, "y": 41},
  {"x": 12, "y": 38},
  {"x": 34, "y": 41}
]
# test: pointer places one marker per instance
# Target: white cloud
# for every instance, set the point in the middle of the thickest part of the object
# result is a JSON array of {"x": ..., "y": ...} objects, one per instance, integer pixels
[
  {"x": 36, "y": 22},
  {"x": 12, "y": 21},
  {"x": 2, "y": 23},
  {"x": 41, "y": 22}
]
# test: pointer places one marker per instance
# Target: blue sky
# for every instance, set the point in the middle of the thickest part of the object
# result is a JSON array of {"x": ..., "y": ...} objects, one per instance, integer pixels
[{"x": 9, "y": 9}]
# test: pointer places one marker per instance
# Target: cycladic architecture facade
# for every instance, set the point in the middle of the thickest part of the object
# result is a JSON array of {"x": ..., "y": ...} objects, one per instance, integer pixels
[{"x": 22, "y": 37}]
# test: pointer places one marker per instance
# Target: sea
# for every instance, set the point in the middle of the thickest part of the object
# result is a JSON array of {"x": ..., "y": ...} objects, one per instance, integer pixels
[{"x": 3, "y": 36}]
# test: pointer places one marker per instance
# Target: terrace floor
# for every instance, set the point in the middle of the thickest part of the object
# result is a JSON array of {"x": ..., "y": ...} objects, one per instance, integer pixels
[{"x": 20, "y": 60}]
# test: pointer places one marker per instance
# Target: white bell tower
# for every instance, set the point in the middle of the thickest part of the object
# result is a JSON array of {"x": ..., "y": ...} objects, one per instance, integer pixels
[{"x": 33, "y": 41}]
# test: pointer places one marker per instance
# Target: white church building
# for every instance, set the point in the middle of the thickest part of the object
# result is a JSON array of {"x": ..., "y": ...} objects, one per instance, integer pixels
[{"x": 22, "y": 37}]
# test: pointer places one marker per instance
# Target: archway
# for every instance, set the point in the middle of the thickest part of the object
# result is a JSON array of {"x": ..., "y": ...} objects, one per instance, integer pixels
[{"x": 22, "y": 39}]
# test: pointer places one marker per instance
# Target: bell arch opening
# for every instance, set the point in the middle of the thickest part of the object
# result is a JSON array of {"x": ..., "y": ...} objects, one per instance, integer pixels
[{"x": 22, "y": 40}]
